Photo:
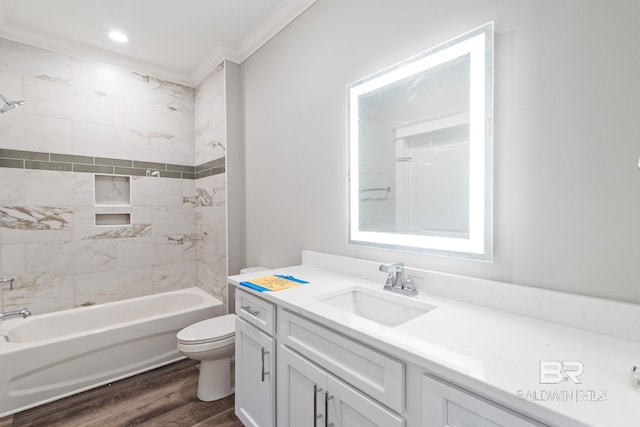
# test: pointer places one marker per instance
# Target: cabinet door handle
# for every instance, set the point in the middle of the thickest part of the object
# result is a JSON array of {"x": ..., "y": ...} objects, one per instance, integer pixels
[
  {"x": 248, "y": 309},
  {"x": 316, "y": 417},
  {"x": 262, "y": 372},
  {"x": 327, "y": 398}
]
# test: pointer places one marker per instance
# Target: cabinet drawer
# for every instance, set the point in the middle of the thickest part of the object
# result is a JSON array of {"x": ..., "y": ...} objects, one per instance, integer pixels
[
  {"x": 374, "y": 373},
  {"x": 256, "y": 311},
  {"x": 445, "y": 405}
]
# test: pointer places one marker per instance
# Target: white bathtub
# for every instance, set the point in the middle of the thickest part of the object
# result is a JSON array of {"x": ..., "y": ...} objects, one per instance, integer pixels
[{"x": 54, "y": 355}]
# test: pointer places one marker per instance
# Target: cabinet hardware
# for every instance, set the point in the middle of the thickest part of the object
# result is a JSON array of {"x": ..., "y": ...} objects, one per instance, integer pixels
[
  {"x": 327, "y": 398},
  {"x": 316, "y": 390},
  {"x": 248, "y": 309},
  {"x": 262, "y": 372}
]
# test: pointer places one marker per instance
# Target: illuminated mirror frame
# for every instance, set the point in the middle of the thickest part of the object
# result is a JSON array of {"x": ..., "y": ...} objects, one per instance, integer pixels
[{"x": 478, "y": 44}]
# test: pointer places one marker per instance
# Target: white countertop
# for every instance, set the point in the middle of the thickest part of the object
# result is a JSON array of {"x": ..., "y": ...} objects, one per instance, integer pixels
[{"x": 491, "y": 352}]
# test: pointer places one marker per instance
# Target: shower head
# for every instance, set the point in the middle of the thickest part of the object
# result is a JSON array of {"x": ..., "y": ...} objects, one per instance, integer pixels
[{"x": 9, "y": 105}]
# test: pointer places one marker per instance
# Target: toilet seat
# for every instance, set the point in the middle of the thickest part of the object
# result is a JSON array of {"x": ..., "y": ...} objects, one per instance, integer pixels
[{"x": 221, "y": 328}]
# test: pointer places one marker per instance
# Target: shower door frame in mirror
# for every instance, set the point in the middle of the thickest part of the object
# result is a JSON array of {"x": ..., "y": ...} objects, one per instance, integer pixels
[{"x": 475, "y": 241}]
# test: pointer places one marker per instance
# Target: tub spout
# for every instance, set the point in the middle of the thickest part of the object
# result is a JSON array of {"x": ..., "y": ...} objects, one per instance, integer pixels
[{"x": 24, "y": 313}]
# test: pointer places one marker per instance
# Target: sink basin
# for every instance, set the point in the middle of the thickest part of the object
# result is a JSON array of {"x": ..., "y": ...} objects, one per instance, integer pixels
[{"x": 381, "y": 307}]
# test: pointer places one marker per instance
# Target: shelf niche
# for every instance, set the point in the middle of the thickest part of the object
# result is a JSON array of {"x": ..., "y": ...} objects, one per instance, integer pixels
[
  {"x": 112, "y": 219},
  {"x": 111, "y": 190}
]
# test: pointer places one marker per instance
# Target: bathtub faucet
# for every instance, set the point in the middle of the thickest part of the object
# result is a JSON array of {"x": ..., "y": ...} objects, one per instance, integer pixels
[
  {"x": 9, "y": 281},
  {"x": 24, "y": 313}
]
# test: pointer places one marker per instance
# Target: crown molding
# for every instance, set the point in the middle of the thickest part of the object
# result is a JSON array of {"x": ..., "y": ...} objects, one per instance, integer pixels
[
  {"x": 210, "y": 63},
  {"x": 286, "y": 13}
]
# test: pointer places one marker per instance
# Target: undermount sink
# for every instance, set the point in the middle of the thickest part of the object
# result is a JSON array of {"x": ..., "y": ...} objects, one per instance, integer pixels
[{"x": 381, "y": 307}]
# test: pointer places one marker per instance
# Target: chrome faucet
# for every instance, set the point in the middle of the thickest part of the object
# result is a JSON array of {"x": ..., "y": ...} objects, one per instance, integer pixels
[
  {"x": 24, "y": 313},
  {"x": 9, "y": 281},
  {"x": 396, "y": 281}
]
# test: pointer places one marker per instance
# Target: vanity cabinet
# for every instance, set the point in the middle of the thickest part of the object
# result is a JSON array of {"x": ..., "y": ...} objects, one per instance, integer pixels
[
  {"x": 255, "y": 382},
  {"x": 326, "y": 379},
  {"x": 376, "y": 374},
  {"x": 322, "y": 378},
  {"x": 445, "y": 405},
  {"x": 310, "y": 396}
]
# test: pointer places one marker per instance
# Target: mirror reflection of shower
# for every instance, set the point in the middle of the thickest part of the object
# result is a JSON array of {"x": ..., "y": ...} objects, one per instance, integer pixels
[{"x": 9, "y": 105}]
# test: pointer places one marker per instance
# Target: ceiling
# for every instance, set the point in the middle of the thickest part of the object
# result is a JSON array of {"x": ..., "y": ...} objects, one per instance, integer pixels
[{"x": 176, "y": 40}]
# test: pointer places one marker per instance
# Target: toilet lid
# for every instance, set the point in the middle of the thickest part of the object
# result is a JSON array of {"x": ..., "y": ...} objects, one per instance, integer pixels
[{"x": 214, "y": 329}]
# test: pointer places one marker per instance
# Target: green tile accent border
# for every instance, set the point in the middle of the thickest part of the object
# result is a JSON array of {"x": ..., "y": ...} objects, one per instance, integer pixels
[
  {"x": 24, "y": 155},
  {"x": 149, "y": 165},
  {"x": 18, "y": 159},
  {"x": 93, "y": 169},
  {"x": 50, "y": 166},
  {"x": 131, "y": 171},
  {"x": 113, "y": 162},
  {"x": 71, "y": 159},
  {"x": 11, "y": 163}
]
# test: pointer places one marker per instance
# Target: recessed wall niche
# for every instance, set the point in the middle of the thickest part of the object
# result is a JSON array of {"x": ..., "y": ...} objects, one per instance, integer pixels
[
  {"x": 112, "y": 190},
  {"x": 113, "y": 219}
]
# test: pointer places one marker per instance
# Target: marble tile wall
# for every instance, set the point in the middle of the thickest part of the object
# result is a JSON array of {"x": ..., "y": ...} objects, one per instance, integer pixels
[
  {"x": 210, "y": 202},
  {"x": 82, "y": 107},
  {"x": 210, "y": 117},
  {"x": 60, "y": 259},
  {"x": 48, "y": 241}
]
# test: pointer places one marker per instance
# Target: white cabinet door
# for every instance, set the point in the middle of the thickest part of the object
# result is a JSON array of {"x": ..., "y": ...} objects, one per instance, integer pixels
[
  {"x": 309, "y": 396},
  {"x": 445, "y": 405},
  {"x": 301, "y": 389},
  {"x": 255, "y": 376},
  {"x": 347, "y": 407}
]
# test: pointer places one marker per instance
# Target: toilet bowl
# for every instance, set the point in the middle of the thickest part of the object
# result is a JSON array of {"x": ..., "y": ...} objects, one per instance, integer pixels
[{"x": 211, "y": 341}]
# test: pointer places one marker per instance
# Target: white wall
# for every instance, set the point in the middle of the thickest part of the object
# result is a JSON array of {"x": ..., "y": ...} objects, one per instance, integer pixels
[
  {"x": 235, "y": 169},
  {"x": 567, "y": 186}
]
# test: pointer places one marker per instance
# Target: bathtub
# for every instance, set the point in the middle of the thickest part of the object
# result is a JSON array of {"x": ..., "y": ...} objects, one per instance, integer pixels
[{"x": 55, "y": 355}]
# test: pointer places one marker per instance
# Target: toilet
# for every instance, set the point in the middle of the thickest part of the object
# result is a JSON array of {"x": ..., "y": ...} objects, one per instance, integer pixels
[{"x": 211, "y": 341}]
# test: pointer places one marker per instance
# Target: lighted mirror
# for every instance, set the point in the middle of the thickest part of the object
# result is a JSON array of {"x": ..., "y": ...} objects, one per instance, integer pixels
[{"x": 420, "y": 151}]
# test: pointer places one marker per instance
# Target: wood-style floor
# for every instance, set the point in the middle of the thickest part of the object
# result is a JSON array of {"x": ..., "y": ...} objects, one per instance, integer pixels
[{"x": 163, "y": 397}]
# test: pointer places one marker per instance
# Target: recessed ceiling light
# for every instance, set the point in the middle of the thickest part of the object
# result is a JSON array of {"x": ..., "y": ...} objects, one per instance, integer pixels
[{"x": 118, "y": 36}]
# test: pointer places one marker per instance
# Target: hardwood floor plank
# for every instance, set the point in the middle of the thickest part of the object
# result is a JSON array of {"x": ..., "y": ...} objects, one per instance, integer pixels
[
  {"x": 153, "y": 404},
  {"x": 87, "y": 408},
  {"x": 92, "y": 400},
  {"x": 229, "y": 420},
  {"x": 163, "y": 397},
  {"x": 193, "y": 413}
]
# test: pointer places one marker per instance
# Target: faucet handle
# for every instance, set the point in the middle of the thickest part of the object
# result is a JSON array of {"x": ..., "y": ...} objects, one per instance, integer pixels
[
  {"x": 411, "y": 280},
  {"x": 391, "y": 265}
]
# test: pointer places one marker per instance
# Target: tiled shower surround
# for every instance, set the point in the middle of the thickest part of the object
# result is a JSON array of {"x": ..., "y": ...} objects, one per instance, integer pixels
[{"x": 101, "y": 113}]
